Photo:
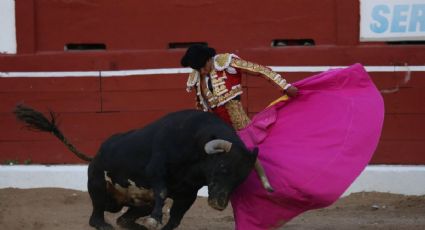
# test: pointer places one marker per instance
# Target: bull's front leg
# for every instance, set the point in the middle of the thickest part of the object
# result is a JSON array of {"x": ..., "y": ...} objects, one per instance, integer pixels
[
  {"x": 262, "y": 175},
  {"x": 160, "y": 194},
  {"x": 179, "y": 208}
]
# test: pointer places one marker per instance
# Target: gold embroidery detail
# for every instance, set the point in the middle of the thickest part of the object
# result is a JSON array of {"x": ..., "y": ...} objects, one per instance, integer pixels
[
  {"x": 237, "y": 114},
  {"x": 219, "y": 95},
  {"x": 222, "y": 61},
  {"x": 215, "y": 100},
  {"x": 230, "y": 95},
  {"x": 192, "y": 80},
  {"x": 256, "y": 68}
]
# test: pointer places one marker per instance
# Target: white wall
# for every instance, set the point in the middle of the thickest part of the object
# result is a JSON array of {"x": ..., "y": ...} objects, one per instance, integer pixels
[
  {"x": 7, "y": 27},
  {"x": 407, "y": 180}
]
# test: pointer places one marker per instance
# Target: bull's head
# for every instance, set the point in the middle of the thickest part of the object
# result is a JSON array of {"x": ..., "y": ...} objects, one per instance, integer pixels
[{"x": 229, "y": 165}]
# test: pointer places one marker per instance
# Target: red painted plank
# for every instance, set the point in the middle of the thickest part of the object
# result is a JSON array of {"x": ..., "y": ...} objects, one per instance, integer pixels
[
  {"x": 336, "y": 55},
  {"x": 404, "y": 101},
  {"x": 25, "y": 26},
  {"x": 400, "y": 152},
  {"x": 390, "y": 80},
  {"x": 260, "y": 98},
  {"x": 45, "y": 152},
  {"x": 258, "y": 81},
  {"x": 56, "y": 101},
  {"x": 51, "y": 84},
  {"x": 404, "y": 127},
  {"x": 135, "y": 19},
  {"x": 93, "y": 61},
  {"x": 347, "y": 15},
  {"x": 12, "y": 130},
  {"x": 80, "y": 126},
  {"x": 387, "y": 80},
  {"x": 145, "y": 82},
  {"x": 147, "y": 100}
]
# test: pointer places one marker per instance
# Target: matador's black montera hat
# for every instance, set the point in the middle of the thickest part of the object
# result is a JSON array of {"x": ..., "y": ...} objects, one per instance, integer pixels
[{"x": 197, "y": 56}]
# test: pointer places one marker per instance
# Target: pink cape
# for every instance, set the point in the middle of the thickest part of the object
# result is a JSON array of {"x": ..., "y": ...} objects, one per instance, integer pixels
[{"x": 312, "y": 147}]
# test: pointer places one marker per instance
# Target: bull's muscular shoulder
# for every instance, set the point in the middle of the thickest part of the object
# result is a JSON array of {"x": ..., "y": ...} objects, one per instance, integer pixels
[
  {"x": 171, "y": 128},
  {"x": 188, "y": 115},
  {"x": 185, "y": 112},
  {"x": 188, "y": 123}
]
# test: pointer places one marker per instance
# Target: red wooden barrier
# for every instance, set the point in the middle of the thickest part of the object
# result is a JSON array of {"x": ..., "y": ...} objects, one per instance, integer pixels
[{"x": 138, "y": 34}]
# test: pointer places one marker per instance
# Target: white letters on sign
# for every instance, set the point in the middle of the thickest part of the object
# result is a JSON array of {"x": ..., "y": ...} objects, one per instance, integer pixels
[{"x": 392, "y": 20}]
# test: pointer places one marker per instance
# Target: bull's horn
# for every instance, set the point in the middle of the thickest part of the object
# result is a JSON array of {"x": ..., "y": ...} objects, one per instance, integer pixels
[{"x": 217, "y": 146}]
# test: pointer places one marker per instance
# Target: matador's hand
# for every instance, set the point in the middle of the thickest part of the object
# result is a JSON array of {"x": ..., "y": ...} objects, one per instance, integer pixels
[{"x": 292, "y": 91}]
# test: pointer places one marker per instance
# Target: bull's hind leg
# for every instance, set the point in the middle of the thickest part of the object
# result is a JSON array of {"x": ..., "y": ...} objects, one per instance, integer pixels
[
  {"x": 128, "y": 219},
  {"x": 156, "y": 171},
  {"x": 98, "y": 194}
]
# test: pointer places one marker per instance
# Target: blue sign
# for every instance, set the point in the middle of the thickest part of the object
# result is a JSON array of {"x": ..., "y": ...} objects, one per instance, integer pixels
[{"x": 392, "y": 20}]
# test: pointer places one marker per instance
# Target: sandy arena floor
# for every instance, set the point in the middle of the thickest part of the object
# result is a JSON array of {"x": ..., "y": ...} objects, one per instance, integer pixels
[{"x": 53, "y": 209}]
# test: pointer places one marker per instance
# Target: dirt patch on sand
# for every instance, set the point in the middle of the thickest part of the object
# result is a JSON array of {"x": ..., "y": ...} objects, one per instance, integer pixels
[{"x": 52, "y": 209}]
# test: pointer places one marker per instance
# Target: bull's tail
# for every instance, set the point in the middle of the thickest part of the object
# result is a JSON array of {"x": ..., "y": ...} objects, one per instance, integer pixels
[{"x": 37, "y": 121}]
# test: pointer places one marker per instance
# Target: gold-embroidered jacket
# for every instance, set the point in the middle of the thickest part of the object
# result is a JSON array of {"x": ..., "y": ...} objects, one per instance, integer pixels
[{"x": 226, "y": 80}]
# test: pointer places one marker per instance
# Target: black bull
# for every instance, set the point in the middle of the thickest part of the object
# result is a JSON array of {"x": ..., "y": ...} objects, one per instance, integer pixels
[{"x": 172, "y": 157}]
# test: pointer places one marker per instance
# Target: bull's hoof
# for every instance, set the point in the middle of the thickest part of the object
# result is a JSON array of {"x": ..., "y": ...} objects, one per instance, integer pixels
[
  {"x": 151, "y": 223},
  {"x": 269, "y": 189},
  {"x": 266, "y": 185},
  {"x": 105, "y": 226},
  {"x": 100, "y": 225},
  {"x": 130, "y": 224}
]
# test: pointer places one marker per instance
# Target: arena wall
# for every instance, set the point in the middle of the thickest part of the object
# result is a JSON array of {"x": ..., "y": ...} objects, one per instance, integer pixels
[{"x": 104, "y": 66}]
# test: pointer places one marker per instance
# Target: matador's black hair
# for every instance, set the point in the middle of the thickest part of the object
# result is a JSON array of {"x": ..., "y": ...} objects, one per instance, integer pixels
[{"x": 197, "y": 56}]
